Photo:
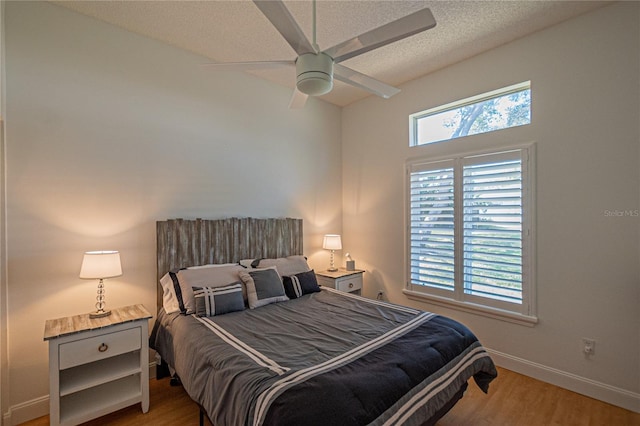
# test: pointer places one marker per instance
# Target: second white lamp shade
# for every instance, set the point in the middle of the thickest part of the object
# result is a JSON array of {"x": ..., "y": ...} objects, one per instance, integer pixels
[{"x": 332, "y": 242}]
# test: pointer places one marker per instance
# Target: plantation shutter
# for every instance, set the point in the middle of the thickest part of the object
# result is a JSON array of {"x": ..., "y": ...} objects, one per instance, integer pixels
[
  {"x": 492, "y": 226},
  {"x": 432, "y": 224}
]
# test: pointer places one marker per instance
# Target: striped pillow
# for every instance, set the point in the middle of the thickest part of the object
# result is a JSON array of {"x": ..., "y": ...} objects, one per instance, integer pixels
[
  {"x": 299, "y": 284},
  {"x": 178, "y": 285},
  {"x": 211, "y": 301}
]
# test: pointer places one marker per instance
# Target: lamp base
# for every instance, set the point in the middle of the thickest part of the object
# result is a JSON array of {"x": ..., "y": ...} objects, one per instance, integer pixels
[
  {"x": 332, "y": 269},
  {"x": 99, "y": 314}
]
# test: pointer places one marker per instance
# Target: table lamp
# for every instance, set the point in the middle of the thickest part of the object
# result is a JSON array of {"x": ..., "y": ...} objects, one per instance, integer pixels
[
  {"x": 332, "y": 242},
  {"x": 100, "y": 265}
]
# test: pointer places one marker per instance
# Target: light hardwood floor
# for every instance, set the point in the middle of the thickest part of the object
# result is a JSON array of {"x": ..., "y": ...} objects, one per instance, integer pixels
[{"x": 513, "y": 400}]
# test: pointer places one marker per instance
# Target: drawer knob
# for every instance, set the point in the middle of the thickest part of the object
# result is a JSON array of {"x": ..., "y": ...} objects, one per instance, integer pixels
[
  {"x": 103, "y": 347},
  {"x": 350, "y": 285}
]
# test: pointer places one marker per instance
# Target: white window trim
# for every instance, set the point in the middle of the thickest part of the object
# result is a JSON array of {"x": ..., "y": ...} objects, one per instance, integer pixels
[
  {"x": 529, "y": 314},
  {"x": 416, "y": 116},
  {"x": 486, "y": 311}
]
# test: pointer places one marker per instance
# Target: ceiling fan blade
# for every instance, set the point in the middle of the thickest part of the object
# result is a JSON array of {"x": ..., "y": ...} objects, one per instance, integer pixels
[
  {"x": 298, "y": 99},
  {"x": 393, "y": 31},
  {"x": 248, "y": 66},
  {"x": 281, "y": 18},
  {"x": 354, "y": 78}
]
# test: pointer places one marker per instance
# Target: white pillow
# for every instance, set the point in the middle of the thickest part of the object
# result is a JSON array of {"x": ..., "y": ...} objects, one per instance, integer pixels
[{"x": 170, "y": 301}]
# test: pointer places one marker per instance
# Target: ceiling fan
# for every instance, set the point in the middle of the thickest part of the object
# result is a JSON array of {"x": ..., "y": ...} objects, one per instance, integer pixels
[{"x": 316, "y": 69}]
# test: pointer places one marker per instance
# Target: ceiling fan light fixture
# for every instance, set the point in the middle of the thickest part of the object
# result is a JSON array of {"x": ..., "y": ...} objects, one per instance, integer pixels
[{"x": 314, "y": 73}]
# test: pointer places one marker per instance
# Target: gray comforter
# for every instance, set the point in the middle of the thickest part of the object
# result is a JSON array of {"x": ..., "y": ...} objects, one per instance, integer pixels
[{"x": 327, "y": 358}]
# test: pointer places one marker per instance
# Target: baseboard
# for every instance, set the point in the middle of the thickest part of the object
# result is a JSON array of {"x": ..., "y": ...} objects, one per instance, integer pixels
[
  {"x": 39, "y": 407},
  {"x": 26, "y": 411},
  {"x": 591, "y": 388}
]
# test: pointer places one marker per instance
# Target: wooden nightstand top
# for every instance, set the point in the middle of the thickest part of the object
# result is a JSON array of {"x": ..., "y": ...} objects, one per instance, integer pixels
[
  {"x": 341, "y": 272},
  {"x": 78, "y": 323}
]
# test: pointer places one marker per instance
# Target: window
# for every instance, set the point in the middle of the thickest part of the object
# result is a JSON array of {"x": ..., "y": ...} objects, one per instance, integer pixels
[
  {"x": 499, "y": 109},
  {"x": 469, "y": 229}
]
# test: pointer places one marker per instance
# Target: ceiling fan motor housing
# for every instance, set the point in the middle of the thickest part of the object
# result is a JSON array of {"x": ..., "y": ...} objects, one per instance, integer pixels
[{"x": 315, "y": 73}]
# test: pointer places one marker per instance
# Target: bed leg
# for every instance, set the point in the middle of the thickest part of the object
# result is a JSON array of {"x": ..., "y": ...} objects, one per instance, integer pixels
[
  {"x": 162, "y": 370},
  {"x": 203, "y": 415}
]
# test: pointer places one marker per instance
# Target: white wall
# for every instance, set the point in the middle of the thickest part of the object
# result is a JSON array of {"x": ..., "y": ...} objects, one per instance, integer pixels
[
  {"x": 108, "y": 132},
  {"x": 585, "y": 79}
]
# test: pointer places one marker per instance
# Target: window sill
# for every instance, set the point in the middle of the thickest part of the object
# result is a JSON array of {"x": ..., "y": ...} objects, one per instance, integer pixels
[{"x": 486, "y": 311}]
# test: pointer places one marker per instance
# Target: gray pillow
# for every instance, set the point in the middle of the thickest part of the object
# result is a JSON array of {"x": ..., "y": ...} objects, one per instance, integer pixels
[
  {"x": 300, "y": 284},
  {"x": 264, "y": 286},
  {"x": 286, "y": 266},
  {"x": 211, "y": 301}
]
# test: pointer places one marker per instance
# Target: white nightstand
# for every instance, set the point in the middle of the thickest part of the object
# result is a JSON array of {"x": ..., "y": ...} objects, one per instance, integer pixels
[
  {"x": 97, "y": 366},
  {"x": 343, "y": 280}
]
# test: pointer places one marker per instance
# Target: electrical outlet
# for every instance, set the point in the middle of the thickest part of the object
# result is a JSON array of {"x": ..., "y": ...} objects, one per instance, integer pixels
[{"x": 588, "y": 346}]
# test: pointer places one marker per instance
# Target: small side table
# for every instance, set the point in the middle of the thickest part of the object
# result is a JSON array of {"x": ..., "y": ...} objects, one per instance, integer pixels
[
  {"x": 343, "y": 280},
  {"x": 97, "y": 366}
]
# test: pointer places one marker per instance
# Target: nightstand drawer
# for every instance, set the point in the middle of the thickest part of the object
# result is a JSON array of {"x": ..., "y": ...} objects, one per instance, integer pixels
[
  {"x": 100, "y": 347},
  {"x": 349, "y": 283}
]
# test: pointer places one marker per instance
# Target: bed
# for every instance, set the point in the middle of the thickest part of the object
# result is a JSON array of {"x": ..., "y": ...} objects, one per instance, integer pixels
[{"x": 303, "y": 355}]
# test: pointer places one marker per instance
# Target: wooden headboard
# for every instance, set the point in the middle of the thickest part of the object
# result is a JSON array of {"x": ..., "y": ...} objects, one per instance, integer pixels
[{"x": 182, "y": 243}]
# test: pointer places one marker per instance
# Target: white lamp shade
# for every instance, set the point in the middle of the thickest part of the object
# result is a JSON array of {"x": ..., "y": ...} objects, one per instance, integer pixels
[
  {"x": 332, "y": 242},
  {"x": 100, "y": 264}
]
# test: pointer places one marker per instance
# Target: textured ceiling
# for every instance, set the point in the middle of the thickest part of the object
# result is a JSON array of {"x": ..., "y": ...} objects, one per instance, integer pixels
[{"x": 237, "y": 31}]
